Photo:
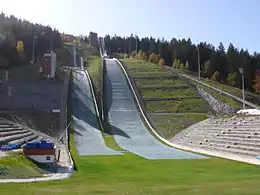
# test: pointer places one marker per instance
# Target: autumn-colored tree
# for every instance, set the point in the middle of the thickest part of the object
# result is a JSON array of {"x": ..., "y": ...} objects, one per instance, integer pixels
[
  {"x": 215, "y": 76},
  {"x": 142, "y": 56},
  {"x": 231, "y": 79},
  {"x": 153, "y": 58},
  {"x": 187, "y": 65},
  {"x": 78, "y": 39},
  {"x": 161, "y": 62},
  {"x": 176, "y": 64},
  {"x": 20, "y": 47},
  {"x": 256, "y": 86}
]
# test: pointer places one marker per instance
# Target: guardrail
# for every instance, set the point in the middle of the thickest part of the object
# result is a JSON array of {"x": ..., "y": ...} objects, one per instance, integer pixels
[
  {"x": 64, "y": 109},
  {"x": 220, "y": 91}
]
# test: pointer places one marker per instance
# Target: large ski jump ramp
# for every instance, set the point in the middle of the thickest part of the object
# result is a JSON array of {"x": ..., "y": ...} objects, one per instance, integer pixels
[
  {"x": 87, "y": 134},
  {"x": 127, "y": 126}
]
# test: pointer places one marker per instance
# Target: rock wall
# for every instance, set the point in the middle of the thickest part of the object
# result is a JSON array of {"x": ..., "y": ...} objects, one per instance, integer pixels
[{"x": 220, "y": 108}]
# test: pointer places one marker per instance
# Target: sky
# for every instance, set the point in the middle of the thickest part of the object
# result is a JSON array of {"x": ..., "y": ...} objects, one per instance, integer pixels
[{"x": 213, "y": 21}]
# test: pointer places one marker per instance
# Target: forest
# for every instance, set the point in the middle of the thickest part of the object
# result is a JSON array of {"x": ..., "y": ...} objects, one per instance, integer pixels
[
  {"x": 216, "y": 63},
  {"x": 17, "y": 37}
]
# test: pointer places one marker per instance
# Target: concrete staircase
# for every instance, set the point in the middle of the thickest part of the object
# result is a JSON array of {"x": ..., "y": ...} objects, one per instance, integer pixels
[
  {"x": 237, "y": 135},
  {"x": 14, "y": 133}
]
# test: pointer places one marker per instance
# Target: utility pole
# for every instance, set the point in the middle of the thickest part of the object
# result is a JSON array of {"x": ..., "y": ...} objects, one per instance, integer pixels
[
  {"x": 198, "y": 62},
  {"x": 125, "y": 47},
  {"x": 34, "y": 37},
  {"x": 241, "y": 70},
  {"x": 136, "y": 44},
  {"x": 74, "y": 55},
  {"x": 130, "y": 46},
  {"x": 51, "y": 41}
]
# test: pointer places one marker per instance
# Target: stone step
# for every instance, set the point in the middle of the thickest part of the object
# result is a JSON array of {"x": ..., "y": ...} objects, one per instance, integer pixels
[
  {"x": 232, "y": 132},
  {"x": 6, "y": 125},
  {"x": 230, "y": 126},
  {"x": 8, "y": 133},
  {"x": 7, "y": 139},
  {"x": 220, "y": 148},
  {"x": 242, "y": 143},
  {"x": 11, "y": 129},
  {"x": 242, "y": 137},
  {"x": 223, "y": 144},
  {"x": 234, "y": 138},
  {"x": 4, "y": 122},
  {"x": 247, "y": 136},
  {"x": 22, "y": 141},
  {"x": 250, "y": 128}
]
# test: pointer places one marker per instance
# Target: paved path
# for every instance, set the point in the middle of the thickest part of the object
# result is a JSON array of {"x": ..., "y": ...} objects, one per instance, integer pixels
[
  {"x": 176, "y": 113},
  {"x": 126, "y": 124},
  {"x": 2, "y": 154},
  {"x": 87, "y": 135}
]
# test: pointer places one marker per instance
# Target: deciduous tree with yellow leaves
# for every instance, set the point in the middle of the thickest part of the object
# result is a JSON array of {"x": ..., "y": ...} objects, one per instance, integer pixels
[
  {"x": 161, "y": 62},
  {"x": 20, "y": 46},
  {"x": 142, "y": 56},
  {"x": 153, "y": 58}
]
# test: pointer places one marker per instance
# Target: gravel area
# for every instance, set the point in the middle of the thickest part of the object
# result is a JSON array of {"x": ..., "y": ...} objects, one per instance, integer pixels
[{"x": 220, "y": 108}]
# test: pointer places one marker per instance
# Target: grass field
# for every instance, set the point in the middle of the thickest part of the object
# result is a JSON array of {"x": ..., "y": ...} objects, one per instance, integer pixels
[
  {"x": 150, "y": 73},
  {"x": 161, "y": 82},
  {"x": 16, "y": 165},
  {"x": 129, "y": 174},
  {"x": 169, "y": 93},
  {"x": 94, "y": 69},
  {"x": 188, "y": 105},
  {"x": 171, "y": 124},
  {"x": 168, "y": 125}
]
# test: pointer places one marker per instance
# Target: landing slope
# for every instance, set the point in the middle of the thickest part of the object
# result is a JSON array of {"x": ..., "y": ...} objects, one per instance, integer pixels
[
  {"x": 126, "y": 124},
  {"x": 87, "y": 136}
]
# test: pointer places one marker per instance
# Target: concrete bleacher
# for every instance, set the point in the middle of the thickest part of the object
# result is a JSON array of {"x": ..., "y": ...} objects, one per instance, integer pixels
[
  {"x": 237, "y": 135},
  {"x": 14, "y": 133}
]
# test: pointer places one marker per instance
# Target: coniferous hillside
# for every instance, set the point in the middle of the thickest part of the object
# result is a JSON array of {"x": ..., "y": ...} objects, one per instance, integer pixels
[{"x": 216, "y": 63}]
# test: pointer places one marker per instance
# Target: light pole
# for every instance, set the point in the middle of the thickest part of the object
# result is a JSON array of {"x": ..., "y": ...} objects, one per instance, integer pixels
[
  {"x": 198, "y": 62},
  {"x": 241, "y": 70},
  {"x": 136, "y": 43},
  {"x": 34, "y": 37}
]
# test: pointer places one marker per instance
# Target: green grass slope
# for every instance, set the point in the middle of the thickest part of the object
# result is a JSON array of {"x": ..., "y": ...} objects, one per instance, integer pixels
[
  {"x": 185, "y": 106},
  {"x": 129, "y": 174}
]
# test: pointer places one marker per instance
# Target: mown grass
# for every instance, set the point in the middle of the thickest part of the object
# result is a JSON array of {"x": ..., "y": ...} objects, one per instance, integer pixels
[
  {"x": 94, "y": 69},
  {"x": 150, "y": 74},
  {"x": 134, "y": 63},
  {"x": 171, "y": 106},
  {"x": 168, "y": 93},
  {"x": 169, "y": 125},
  {"x": 160, "y": 82},
  {"x": 16, "y": 165},
  {"x": 188, "y": 105},
  {"x": 129, "y": 174}
]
